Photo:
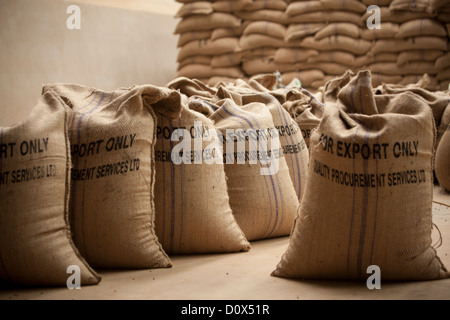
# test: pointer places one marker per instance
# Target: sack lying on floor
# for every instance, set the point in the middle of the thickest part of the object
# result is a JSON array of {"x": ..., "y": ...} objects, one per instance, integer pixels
[
  {"x": 193, "y": 213},
  {"x": 112, "y": 144},
  {"x": 291, "y": 139},
  {"x": 35, "y": 242},
  {"x": 261, "y": 192},
  {"x": 368, "y": 200},
  {"x": 442, "y": 161}
]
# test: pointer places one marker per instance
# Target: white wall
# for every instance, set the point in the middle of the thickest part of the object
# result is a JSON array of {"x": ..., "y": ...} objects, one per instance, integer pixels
[{"x": 121, "y": 43}]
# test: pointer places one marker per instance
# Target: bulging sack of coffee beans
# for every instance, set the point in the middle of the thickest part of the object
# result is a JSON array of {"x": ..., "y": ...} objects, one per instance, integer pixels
[
  {"x": 262, "y": 195},
  {"x": 112, "y": 146},
  {"x": 443, "y": 161},
  {"x": 193, "y": 213},
  {"x": 292, "y": 142},
  {"x": 35, "y": 240},
  {"x": 368, "y": 200}
]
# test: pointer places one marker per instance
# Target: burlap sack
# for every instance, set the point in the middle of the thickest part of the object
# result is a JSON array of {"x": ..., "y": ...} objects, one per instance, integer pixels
[
  {"x": 297, "y": 31},
  {"x": 421, "y": 27},
  {"x": 258, "y": 66},
  {"x": 306, "y": 110},
  {"x": 413, "y": 6},
  {"x": 443, "y": 126},
  {"x": 417, "y": 43},
  {"x": 199, "y": 59},
  {"x": 341, "y": 43},
  {"x": 339, "y": 28},
  {"x": 264, "y": 4},
  {"x": 192, "y": 8},
  {"x": 254, "y": 41},
  {"x": 372, "y": 161},
  {"x": 262, "y": 53},
  {"x": 193, "y": 88},
  {"x": 444, "y": 74},
  {"x": 328, "y": 17},
  {"x": 226, "y": 60},
  {"x": 294, "y": 55},
  {"x": 397, "y": 16},
  {"x": 347, "y": 5},
  {"x": 219, "y": 33},
  {"x": 388, "y": 30},
  {"x": 340, "y": 57},
  {"x": 230, "y": 6},
  {"x": 264, "y": 205},
  {"x": 301, "y": 7},
  {"x": 418, "y": 55},
  {"x": 193, "y": 213},
  {"x": 268, "y": 28},
  {"x": 291, "y": 139},
  {"x": 196, "y": 71},
  {"x": 416, "y": 67},
  {"x": 432, "y": 84},
  {"x": 208, "y": 47},
  {"x": 379, "y": 3},
  {"x": 366, "y": 60},
  {"x": 443, "y": 61},
  {"x": 187, "y": 37},
  {"x": 264, "y": 15},
  {"x": 112, "y": 198},
  {"x": 207, "y": 22},
  {"x": 35, "y": 241}
]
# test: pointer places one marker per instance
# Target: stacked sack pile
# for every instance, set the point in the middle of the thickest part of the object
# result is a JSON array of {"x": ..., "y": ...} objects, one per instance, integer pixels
[
  {"x": 326, "y": 40},
  {"x": 264, "y": 31},
  {"x": 411, "y": 42},
  {"x": 317, "y": 40},
  {"x": 208, "y": 40}
]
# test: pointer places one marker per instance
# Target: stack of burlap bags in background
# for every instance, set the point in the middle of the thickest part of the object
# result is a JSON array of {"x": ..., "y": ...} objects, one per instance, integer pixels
[
  {"x": 209, "y": 34},
  {"x": 318, "y": 40}
]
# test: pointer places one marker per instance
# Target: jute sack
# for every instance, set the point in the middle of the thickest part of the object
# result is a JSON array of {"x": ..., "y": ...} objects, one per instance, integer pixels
[
  {"x": 339, "y": 28},
  {"x": 226, "y": 60},
  {"x": 208, "y": 47},
  {"x": 340, "y": 57},
  {"x": 193, "y": 213},
  {"x": 442, "y": 161},
  {"x": 219, "y": 33},
  {"x": 254, "y": 41},
  {"x": 341, "y": 43},
  {"x": 207, "y": 22},
  {"x": 294, "y": 55},
  {"x": 379, "y": 3},
  {"x": 418, "y": 55},
  {"x": 374, "y": 165},
  {"x": 417, "y": 43},
  {"x": 264, "y": 4},
  {"x": 230, "y": 6},
  {"x": 297, "y": 31},
  {"x": 35, "y": 241},
  {"x": 328, "y": 17},
  {"x": 415, "y": 67},
  {"x": 112, "y": 198},
  {"x": 196, "y": 71},
  {"x": 421, "y": 27},
  {"x": 262, "y": 196},
  {"x": 258, "y": 66},
  {"x": 193, "y": 8},
  {"x": 397, "y": 16},
  {"x": 413, "y": 6},
  {"x": 444, "y": 74},
  {"x": 364, "y": 61},
  {"x": 306, "y": 110},
  {"x": 200, "y": 59},
  {"x": 432, "y": 83},
  {"x": 347, "y": 5},
  {"x": 443, "y": 61},
  {"x": 388, "y": 30},
  {"x": 264, "y": 15},
  {"x": 268, "y": 28},
  {"x": 443, "y": 126},
  {"x": 301, "y": 7},
  {"x": 192, "y": 88},
  {"x": 262, "y": 53},
  {"x": 187, "y": 37},
  {"x": 291, "y": 139}
]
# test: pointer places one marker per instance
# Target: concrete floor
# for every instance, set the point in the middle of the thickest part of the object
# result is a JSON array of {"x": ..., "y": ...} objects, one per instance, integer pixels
[{"x": 245, "y": 276}]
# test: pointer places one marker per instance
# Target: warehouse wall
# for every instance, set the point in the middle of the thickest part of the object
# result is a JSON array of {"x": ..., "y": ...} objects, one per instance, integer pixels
[{"x": 120, "y": 43}]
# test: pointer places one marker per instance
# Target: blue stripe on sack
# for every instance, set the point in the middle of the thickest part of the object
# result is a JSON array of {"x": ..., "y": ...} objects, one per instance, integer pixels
[
  {"x": 297, "y": 176},
  {"x": 271, "y": 176},
  {"x": 78, "y": 131}
]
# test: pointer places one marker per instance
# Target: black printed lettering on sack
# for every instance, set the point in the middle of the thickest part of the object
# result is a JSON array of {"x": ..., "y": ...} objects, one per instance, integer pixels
[
  {"x": 24, "y": 148},
  {"x": 288, "y": 130},
  {"x": 117, "y": 168},
  {"x": 294, "y": 149},
  {"x": 4, "y": 176},
  {"x": 167, "y": 133},
  {"x": 33, "y": 173},
  {"x": 93, "y": 148},
  {"x": 306, "y": 134},
  {"x": 366, "y": 151}
]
